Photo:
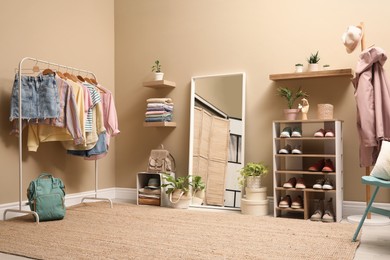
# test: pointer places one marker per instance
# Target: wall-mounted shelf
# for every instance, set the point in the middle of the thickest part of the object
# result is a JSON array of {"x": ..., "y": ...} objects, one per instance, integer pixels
[
  {"x": 159, "y": 124},
  {"x": 312, "y": 74},
  {"x": 160, "y": 84}
]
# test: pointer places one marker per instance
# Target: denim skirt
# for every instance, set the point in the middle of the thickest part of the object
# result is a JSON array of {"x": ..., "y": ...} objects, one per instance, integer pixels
[{"x": 40, "y": 98}]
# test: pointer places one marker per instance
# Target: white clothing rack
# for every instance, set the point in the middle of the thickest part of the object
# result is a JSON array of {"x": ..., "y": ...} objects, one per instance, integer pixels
[{"x": 20, "y": 72}]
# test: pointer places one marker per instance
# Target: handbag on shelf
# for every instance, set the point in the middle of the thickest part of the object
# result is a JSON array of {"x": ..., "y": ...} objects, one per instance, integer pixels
[
  {"x": 46, "y": 196},
  {"x": 161, "y": 160}
]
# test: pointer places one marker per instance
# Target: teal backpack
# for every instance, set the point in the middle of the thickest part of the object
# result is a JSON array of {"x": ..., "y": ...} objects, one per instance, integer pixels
[{"x": 46, "y": 196}]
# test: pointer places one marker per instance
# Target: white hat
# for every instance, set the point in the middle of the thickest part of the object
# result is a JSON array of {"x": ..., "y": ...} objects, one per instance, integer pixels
[{"x": 352, "y": 37}]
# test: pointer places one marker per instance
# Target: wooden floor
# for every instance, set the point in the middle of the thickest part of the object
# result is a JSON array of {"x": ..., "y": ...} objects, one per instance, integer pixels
[{"x": 375, "y": 243}]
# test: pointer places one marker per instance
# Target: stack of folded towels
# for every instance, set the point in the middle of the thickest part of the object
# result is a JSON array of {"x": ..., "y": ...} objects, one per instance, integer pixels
[{"x": 159, "y": 110}]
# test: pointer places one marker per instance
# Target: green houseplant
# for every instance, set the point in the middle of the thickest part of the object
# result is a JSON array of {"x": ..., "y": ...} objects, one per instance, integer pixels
[
  {"x": 313, "y": 62},
  {"x": 198, "y": 190},
  {"x": 291, "y": 97},
  {"x": 156, "y": 68},
  {"x": 178, "y": 190},
  {"x": 299, "y": 67},
  {"x": 251, "y": 173}
]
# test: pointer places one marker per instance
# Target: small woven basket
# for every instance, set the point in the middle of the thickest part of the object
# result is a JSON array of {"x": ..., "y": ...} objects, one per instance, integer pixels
[{"x": 325, "y": 111}]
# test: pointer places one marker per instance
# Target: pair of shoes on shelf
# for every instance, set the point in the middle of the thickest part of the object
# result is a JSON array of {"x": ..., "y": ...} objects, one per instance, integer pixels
[
  {"x": 288, "y": 149},
  {"x": 324, "y": 133},
  {"x": 294, "y": 183},
  {"x": 323, "y": 166},
  {"x": 287, "y": 132},
  {"x": 325, "y": 184},
  {"x": 286, "y": 202},
  {"x": 323, "y": 212}
]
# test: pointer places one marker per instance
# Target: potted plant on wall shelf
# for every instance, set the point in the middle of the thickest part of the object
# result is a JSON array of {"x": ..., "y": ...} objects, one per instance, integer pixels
[
  {"x": 198, "y": 190},
  {"x": 299, "y": 67},
  {"x": 251, "y": 174},
  {"x": 156, "y": 68},
  {"x": 178, "y": 190},
  {"x": 291, "y": 113},
  {"x": 313, "y": 62}
]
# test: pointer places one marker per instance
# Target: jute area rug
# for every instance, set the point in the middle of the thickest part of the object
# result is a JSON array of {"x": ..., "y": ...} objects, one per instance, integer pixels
[{"x": 127, "y": 231}]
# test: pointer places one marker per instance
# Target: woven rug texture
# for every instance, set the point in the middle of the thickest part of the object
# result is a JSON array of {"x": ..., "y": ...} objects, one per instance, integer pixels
[{"x": 128, "y": 231}]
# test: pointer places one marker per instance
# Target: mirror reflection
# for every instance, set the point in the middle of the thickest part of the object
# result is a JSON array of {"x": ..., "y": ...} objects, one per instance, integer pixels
[{"x": 217, "y": 136}]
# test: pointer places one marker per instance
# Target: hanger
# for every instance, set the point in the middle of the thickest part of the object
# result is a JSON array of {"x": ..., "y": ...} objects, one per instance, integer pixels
[
  {"x": 80, "y": 78},
  {"x": 59, "y": 73},
  {"x": 93, "y": 81},
  {"x": 35, "y": 67},
  {"x": 88, "y": 80},
  {"x": 47, "y": 71}
]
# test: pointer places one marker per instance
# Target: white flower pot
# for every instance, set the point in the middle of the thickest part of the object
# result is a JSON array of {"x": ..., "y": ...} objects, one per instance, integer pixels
[
  {"x": 253, "y": 182},
  {"x": 158, "y": 75},
  {"x": 298, "y": 68},
  {"x": 198, "y": 197},
  {"x": 313, "y": 67}
]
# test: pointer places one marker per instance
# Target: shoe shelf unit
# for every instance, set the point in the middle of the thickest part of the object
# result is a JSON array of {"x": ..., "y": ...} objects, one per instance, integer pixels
[
  {"x": 313, "y": 150},
  {"x": 160, "y": 84}
]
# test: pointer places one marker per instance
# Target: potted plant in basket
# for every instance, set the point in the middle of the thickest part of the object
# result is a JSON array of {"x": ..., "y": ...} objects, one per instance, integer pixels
[
  {"x": 251, "y": 174},
  {"x": 291, "y": 113},
  {"x": 156, "y": 68},
  {"x": 178, "y": 190},
  {"x": 313, "y": 62},
  {"x": 198, "y": 190}
]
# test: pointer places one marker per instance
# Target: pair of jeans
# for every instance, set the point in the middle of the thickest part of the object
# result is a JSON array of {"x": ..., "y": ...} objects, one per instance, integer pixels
[
  {"x": 99, "y": 148},
  {"x": 39, "y": 96}
]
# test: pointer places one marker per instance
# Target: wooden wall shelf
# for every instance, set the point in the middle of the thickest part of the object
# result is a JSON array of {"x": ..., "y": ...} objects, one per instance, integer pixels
[
  {"x": 159, "y": 124},
  {"x": 312, "y": 74},
  {"x": 160, "y": 84}
]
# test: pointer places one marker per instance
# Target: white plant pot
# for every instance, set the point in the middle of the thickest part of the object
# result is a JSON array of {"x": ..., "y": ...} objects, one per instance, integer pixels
[
  {"x": 313, "y": 67},
  {"x": 158, "y": 75},
  {"x": 298, "y": 69},
  {"x": 198, "y": 197},
  {"x": 253, "y": 182}
]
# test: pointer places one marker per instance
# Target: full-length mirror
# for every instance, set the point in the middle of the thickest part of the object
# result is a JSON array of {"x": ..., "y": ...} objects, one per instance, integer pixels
[{"x": 217, "y": 128}]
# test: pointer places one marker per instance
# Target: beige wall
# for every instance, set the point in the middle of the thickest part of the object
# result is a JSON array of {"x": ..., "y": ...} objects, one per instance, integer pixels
[
  {"x": 193, "y": 38},
  {"x": 225, "y": 93},
  {"x": 70, "y": 32}
]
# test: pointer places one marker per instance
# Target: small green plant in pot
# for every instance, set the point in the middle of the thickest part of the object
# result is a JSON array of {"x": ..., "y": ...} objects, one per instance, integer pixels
[
  {"x": 156, "y": 68},
  {"x": 290, "y": 96},
  {"x": 299, "y": 67},
  {"x": 313, "y": 62},
  {"x": 178, "y": 190},
  {"x": 198, "y": 190},
  {"x": 251, "y": 174}
]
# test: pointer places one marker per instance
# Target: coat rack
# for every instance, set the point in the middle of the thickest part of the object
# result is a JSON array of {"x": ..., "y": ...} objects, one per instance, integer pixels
[
  {"x": 20, "y": 73},
  {"x": 371, "y": 220}
]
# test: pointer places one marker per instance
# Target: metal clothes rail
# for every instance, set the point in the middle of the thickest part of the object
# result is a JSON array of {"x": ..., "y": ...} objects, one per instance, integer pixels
[{"x": 20, "y": 73}]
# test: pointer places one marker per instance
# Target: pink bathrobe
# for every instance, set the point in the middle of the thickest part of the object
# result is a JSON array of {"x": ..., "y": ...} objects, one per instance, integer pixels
[{"x": 372, "y": 94}]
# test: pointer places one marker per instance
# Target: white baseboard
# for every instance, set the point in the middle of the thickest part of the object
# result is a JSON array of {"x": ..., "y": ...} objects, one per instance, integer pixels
[
  {"x": 130, "y": 194},
  {"x": 70, "y": 200}
]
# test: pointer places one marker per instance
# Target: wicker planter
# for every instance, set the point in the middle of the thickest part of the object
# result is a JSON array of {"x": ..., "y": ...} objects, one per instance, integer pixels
[
  {"x": 198, "y": 197},
  {"x": 179, "y": 200}
]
